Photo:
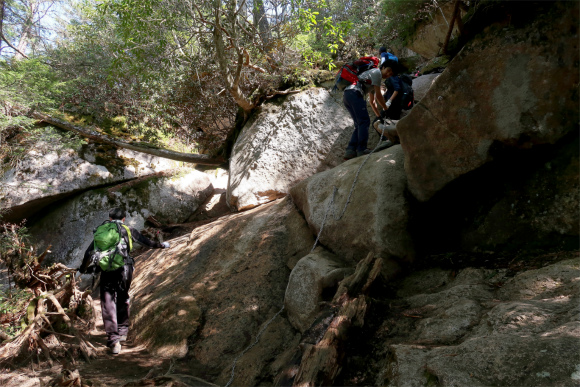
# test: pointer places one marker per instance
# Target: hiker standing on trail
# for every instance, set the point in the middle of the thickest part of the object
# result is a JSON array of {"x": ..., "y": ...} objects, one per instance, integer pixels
[
  {"x": 109, "y": 254},
  {"x": 369, "y": 82}
]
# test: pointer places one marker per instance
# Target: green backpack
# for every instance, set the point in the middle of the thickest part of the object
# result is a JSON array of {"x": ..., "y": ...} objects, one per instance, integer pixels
[{"x": 110, "y": 248}]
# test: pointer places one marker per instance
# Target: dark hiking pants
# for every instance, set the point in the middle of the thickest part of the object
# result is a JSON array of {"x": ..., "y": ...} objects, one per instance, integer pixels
[
  {"x": 115, "y": 302},
  {"x": 356, "y": 105}
]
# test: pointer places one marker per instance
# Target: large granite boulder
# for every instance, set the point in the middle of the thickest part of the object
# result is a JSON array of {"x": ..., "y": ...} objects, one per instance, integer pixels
[
  {"x": 207, "y": 296},
  {"x": 378, "y": 211},
  {"x": 539, "y": 206},
  {"x": 285, "y": 142},
  {"x": 69, "y": 226},
  {"x": 483, "y": 328},
  {"x": 314, "y": 274},
  {"x": 216, "y": 205},
  {"x": 527, "y": 201},
  {"x": 509, "y": 88},
  {"x": 60, "y": 165},
  {"x": 422, "y": 84}
]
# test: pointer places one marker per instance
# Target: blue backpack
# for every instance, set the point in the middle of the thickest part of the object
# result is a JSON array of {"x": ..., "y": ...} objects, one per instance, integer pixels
[{"x": 389, "y": 56}]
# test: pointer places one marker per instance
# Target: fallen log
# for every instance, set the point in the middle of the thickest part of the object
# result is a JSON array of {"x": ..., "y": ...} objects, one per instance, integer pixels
[
  {"x": 322, "y": 361},
  {"x": 103, "y": 138}
]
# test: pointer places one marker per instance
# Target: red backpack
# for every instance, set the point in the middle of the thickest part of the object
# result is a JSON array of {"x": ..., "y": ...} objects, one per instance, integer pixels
[{"x": 348, "y": 74}]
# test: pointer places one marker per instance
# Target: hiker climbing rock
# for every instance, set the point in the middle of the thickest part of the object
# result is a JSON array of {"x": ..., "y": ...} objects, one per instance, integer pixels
[
  {"x": 357, "y": 79},
  {"x": 399, "y": 96},
  {"x": 384, "y": 54},
  {"x": 109, "y": 254},
  {"x": 394, "y": 91}
]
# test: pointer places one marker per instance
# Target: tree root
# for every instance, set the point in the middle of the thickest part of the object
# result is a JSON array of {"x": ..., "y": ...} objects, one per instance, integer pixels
[{"x": 45, "y": 316}]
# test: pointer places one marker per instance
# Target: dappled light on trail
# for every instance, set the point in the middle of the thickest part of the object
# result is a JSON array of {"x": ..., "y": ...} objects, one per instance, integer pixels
[{"x": 209, "y": 287}]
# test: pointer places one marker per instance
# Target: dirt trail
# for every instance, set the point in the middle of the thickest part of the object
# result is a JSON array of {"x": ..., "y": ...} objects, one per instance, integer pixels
[{"x": 132, "y": 364}]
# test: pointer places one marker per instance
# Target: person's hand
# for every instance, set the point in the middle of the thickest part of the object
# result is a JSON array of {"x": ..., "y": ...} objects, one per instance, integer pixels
[
  {"x": 388, "y": 103},
  {"x": 165, "y": 245}
]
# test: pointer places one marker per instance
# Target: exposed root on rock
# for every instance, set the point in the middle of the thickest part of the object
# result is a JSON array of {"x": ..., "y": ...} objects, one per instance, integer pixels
[{"x": 322, "y": 360}]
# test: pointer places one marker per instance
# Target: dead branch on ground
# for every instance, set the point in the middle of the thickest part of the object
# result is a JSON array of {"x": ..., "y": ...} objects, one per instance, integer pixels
[{"x": 53, "y": 314}]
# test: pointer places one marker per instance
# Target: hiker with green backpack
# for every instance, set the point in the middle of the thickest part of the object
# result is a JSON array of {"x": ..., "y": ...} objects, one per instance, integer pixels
[{"x": 109, "y": 254}]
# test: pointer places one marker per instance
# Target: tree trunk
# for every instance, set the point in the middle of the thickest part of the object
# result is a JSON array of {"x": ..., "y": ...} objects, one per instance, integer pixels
[
  {"x": 2, "y": 37},
  {"x": 456, "y": 12},
  {"x": 95, "y": 136},
  {"x": 261, "y": 22},
  {"x": 232, "y": 75},
  {"x": 322, "y": 362},
  {"x": 26, "y": 33}
]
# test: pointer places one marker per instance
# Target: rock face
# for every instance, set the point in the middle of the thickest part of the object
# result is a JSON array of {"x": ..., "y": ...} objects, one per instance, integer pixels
[
  {"x": 513, "y": 87},
  {"x": 312, "y": 275},
  {"x": 430, "y": 36},
  {"x": 422, "y": 84},
  {"x": 286, "y": 142},
  {"x": 377, "y": 216},
  {"x": 216, "y": 205},
  {"x": 69, "y": 227},
  {"x": 211, "y": 292},
  {"x": 59, "y": 166},
  {"x": 465, "y": 333},
  {"x": 526, "y": 201},
  {"x": 540, "y": 207}
]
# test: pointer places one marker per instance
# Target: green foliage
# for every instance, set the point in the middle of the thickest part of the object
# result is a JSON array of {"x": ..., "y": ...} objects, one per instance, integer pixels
[
  {"x": 151, "y": 71},
  {"x": 315, "y": 53},
  {"x": 29, "y": 83},
  {"x": 13, "y": 302},
  {"x": 403, "y": 17}
]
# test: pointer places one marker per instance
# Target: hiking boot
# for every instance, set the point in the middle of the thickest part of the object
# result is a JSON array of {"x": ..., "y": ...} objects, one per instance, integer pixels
[
  {"x": 123, "y": 338},
  {"x": 363, "y": 152},
  {"x": 350, "y": 154},
  {"x": 116, "y": 348}
]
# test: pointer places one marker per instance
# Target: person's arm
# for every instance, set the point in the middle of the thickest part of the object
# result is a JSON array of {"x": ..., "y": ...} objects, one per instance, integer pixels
[
  {"x": 379, "y": 98},
  {"x": 373, "y": 102},
  {"x": 86, "y": 258},
  {"x": 143, "y": 240}
]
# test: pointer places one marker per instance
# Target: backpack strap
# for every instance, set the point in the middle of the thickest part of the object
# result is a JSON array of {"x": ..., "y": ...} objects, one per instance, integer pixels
[
  {"x": 129, "y": 240},
  {"x": 129, "y": 237}
]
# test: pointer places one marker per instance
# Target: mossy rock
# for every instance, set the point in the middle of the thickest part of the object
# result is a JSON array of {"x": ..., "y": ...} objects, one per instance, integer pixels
[
  {"x": 411, "y": 62},
  {"x": 435, "y": 64},
  {"x": 308, "y": 78},
  {"x": 106, "y": 155}
]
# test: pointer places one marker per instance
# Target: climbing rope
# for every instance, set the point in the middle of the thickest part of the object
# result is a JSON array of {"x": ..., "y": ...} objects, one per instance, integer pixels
[
  {"x": 329, "y": 208},
  {"x": 251, "y": 346}
]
